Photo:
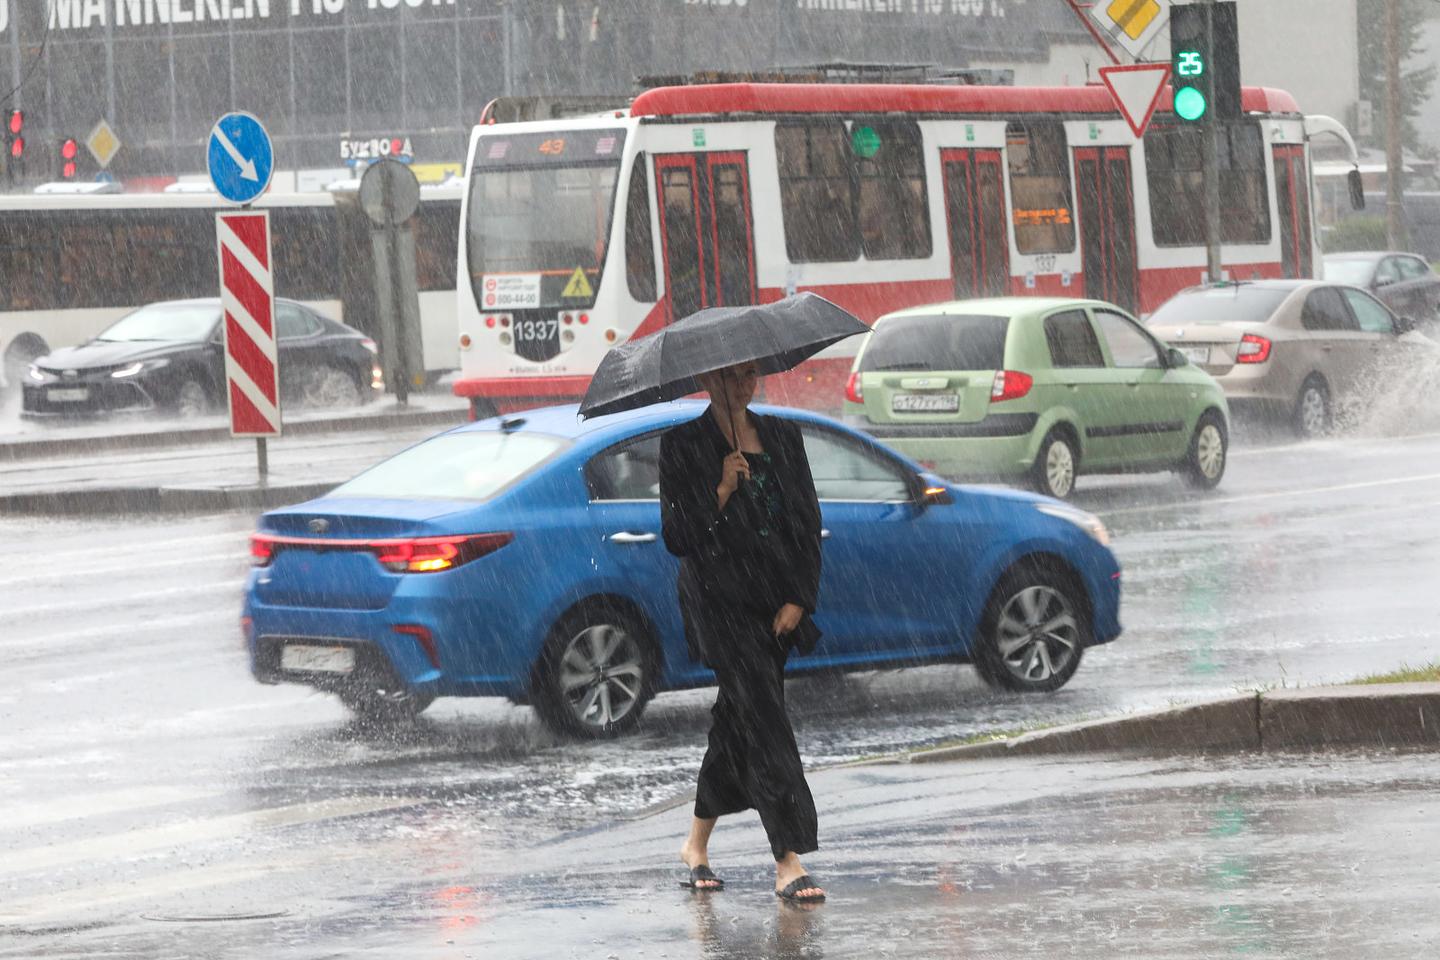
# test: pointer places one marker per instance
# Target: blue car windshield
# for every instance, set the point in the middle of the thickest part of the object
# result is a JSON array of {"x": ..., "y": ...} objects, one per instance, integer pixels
[{"x": 469, "y": 465}]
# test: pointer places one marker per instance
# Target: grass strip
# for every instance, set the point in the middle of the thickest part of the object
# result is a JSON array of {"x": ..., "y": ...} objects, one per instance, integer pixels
[{"x": 1429, "y": 673}]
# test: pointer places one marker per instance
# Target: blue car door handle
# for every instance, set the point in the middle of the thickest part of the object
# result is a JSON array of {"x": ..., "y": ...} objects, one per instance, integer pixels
[{"x": 626, "y": 536}]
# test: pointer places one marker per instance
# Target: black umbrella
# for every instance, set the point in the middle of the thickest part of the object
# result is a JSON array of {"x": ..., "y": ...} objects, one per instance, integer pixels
[{"x": 664, "y": 366}]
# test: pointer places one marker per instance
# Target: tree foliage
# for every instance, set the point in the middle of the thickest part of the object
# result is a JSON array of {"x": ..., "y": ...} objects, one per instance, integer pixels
[{"x": 1415, "y": 84}]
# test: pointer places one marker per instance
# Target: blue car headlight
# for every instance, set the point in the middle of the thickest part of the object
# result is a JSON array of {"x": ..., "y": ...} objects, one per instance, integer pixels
[
  {"x": 1086, "y": 521},
  {"x": 139, "y": 366}
]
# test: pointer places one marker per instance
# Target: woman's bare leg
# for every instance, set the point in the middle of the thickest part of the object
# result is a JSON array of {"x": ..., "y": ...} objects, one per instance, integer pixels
[{"x": 696, "y": 850}]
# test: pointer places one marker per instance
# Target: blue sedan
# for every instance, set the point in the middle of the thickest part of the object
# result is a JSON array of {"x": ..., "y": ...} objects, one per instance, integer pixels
[{"x": 521, "y": 557}]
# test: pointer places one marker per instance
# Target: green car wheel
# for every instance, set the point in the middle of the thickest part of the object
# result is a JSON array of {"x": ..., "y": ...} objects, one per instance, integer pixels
[{"x": 1056, "y": 466}]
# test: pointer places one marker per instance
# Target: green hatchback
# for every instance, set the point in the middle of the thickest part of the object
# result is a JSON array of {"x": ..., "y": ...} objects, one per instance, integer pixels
[{"x": 1039, "y": 389}]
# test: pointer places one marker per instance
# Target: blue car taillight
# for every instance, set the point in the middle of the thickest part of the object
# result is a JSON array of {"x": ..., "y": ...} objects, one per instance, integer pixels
[{"x": 409, "y": 555}]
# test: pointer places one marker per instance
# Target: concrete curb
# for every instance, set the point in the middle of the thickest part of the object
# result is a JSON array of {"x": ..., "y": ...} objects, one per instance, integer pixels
[
  {"x": 153, "y": 500},
  {"x": 1371, "y": 715},
  {"x": 65, "y": 446}
]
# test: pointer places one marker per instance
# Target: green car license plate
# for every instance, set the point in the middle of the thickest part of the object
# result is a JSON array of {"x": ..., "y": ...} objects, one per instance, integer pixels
[{"x": 924, "y": 403}]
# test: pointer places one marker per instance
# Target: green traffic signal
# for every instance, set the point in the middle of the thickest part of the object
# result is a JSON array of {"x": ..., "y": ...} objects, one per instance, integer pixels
[{"x": 1189, "y": 103}]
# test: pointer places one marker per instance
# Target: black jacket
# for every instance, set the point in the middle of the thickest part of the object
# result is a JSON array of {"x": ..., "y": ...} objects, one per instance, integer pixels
[{"x": 724, "y": 564}]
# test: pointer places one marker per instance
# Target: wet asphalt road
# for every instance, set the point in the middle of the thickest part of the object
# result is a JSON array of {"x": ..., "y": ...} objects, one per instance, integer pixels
[{"x": 135, "y": 746}]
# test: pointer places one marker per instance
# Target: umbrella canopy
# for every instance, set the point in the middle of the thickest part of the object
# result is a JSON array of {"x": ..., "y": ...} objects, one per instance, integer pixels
[{"x": 665, "y": 365}]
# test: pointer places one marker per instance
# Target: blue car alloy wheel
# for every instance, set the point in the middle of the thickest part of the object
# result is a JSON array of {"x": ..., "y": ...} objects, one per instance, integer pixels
[{"x": 521, "y": 557}]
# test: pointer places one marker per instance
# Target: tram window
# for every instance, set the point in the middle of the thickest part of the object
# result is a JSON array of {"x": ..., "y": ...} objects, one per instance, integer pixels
[
  {"x": 817, "y": 193},
  {"x": 639, "y": 240},
  {"x": 1244, "y": 203},
  {"x": 1040, "y": 187},
  {"x": 894, "y": 215},
  {"x": 1177, "y": 185},
  {"x": 437, "y": 244}
]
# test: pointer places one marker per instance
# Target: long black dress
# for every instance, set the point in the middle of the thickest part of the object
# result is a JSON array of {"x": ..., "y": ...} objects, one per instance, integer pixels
[{"x": 738, "y": 567}]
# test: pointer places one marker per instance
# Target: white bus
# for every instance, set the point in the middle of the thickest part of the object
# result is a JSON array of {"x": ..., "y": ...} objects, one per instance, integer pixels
[{"x": 72, "y": 264}]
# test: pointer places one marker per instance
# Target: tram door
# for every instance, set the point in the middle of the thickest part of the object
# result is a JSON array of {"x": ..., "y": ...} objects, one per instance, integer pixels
[
  {"x": 1107, "y": 225},
  {"x": 707, "y": 231},
  {"x": 1292, "y": 190},
  {"x": 975, "y": 217}
]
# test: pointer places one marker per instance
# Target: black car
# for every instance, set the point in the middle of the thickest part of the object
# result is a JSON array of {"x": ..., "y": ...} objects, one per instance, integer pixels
[
  {"x": 170, "y": 357},
  {"x": 1404, "y": 282}
]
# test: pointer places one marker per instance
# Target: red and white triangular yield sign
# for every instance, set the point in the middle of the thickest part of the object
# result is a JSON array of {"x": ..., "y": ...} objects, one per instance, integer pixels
[
  {"x": 1137, "y": 89},
  {"x": 247, "y": 298}
]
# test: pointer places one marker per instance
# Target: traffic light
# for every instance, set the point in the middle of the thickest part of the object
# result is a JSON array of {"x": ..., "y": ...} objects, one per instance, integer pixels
[
  {"x": 14, "y": 129},
  {"x": 68, "y": 151},
  {"x": 1205, "y": 61}
]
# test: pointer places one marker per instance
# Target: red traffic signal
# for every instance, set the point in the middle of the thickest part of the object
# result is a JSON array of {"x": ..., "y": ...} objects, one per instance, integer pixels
[
  {"x": 17, "y": 122},
  {"x": 68, "y": 150}
]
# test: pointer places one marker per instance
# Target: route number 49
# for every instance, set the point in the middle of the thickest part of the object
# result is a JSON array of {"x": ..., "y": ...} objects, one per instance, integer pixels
[{"x": 1191, "y": 64}]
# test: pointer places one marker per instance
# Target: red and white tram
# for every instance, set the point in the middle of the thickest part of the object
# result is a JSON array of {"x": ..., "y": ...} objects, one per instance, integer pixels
[{"x": 579, "y": 233}]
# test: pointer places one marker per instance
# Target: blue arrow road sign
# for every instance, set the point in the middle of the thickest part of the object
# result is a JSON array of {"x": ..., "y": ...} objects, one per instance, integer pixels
[{"x": 240, "y": 157}]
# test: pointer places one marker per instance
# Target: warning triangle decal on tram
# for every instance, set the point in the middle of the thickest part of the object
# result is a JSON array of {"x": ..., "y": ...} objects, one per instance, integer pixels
[{"x": 578, "y": 288}]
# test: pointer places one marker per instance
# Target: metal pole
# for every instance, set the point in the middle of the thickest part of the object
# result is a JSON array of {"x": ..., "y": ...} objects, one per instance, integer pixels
[
  {"x": 1209, "y": 159},
  {"x": 505, "y": 47},
  {"x": 262, "y": 460},
  {"x": 1394, "y": 153},
  {"x": 398, "y": 352}
]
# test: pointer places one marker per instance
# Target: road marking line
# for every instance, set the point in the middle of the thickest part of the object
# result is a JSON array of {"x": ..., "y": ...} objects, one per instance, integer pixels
[
  {"x": 1279, "y": 494},
  {"x": 15, "y": 613},
  {"x": 142, "y": 548},
  {"x": 113, "y": 629},
  {"x": 236, "y": 555},
  {"x": 87, "y": 901},
  {"x": 93, "y": 850},
  {"x": 1320, "y": 446},
  {"x": 112, "y": 803}
]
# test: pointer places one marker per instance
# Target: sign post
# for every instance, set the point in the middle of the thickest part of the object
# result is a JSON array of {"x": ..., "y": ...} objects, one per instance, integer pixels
[
  {"x": 389, "y": 195},
  {"x": 241, "y": 162}
]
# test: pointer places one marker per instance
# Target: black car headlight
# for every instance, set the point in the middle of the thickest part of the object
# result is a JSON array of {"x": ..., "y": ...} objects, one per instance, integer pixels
[
  {"x": 139, "y": 367},
  {"x": 38, "y": 375}
]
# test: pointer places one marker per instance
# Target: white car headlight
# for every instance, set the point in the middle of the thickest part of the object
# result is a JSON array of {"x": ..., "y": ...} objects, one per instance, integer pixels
[
  {"x": 1086, "y": 521},
  {"x": 36, "y": 374},
  {"x": 139, "y": 366}
]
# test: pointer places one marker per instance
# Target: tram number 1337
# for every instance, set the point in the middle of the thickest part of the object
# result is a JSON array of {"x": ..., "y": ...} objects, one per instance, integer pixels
[{"x": 536, "y": 329}]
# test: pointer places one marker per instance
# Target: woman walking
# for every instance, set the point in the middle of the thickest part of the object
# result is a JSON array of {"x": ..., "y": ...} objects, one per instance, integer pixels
[{"x": 738, "y": 507}]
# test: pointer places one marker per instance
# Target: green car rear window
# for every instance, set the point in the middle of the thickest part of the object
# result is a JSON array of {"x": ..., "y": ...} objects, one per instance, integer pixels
[
  {"x": 1237, "y": 304},
  {"x": 938, "y": 342}
]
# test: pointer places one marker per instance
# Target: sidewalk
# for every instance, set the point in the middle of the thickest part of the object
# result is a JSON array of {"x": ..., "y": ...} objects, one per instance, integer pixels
[{"x": 204, "y": 468}]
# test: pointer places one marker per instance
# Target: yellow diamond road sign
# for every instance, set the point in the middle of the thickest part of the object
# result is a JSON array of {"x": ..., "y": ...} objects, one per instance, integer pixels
[
  {"x": 1133, "y": 24},
  {"x": 102, "y": 143}
]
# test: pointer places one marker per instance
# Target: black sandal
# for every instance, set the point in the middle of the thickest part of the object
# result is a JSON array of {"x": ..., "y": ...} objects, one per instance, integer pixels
[
  {"x": 792, "y": 888},
  {"x": 700, "y": 874}
]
